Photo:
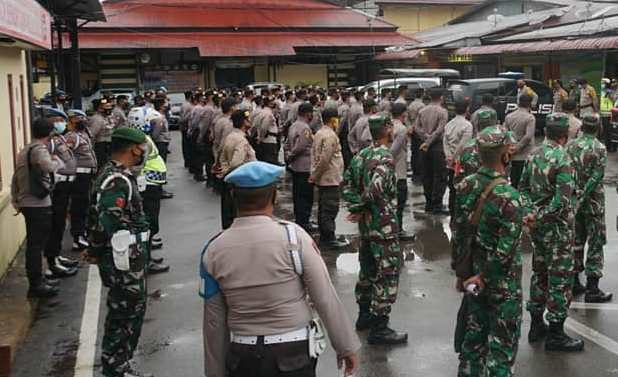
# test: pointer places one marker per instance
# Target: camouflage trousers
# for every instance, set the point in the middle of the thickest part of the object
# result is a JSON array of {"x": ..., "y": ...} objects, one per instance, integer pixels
[
  {"x": 553, "y": 267},
  {"x": 378, "y": 279},
  {"x": 590, "y": 229},
  {"x": 123, "y": 326},
  {"x": 492, "y": 331}
]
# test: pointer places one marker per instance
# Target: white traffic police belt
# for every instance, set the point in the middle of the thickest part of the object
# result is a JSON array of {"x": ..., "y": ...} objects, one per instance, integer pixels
[
  {"x": 63, "y": 178},
  {"x": 292, "y": 336},
  {"x": 84, "y": 170}
]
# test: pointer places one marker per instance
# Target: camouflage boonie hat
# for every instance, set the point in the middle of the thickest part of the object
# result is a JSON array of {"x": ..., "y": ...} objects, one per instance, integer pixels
[
  {"x": 494, "y": 137},
  {"x": 557, "y": 121},
  {"x": 591, "y": 120},
  {"x": 487, "y": 118}
]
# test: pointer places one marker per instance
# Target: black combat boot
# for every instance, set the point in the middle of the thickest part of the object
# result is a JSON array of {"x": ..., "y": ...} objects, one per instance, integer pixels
[
  {"x": 558, "y": 340},
  {"x": 538, "y": 328},
  {"x": 42, "y": 290},
  {"x": 594, "y": 294},
  {"x": 578, "y": 287},
  {"x": 381, "y": 334},
  {"x": 365, "y": 319}
]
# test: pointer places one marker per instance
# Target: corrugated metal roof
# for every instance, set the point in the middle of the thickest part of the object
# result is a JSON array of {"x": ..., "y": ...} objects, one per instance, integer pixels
[
  {"x": 230, "y": 14},
  {"x": 445, "y": 35},
  {"x": 586, "y": 28},
  {"x": 431, "y": 2},
  {"x": 239, "y": 44},
  {"x": 542, "y": 46}
]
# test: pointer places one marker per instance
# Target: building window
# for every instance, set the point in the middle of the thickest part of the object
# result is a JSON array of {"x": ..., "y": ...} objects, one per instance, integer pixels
[{"x": 24, "y": 109}]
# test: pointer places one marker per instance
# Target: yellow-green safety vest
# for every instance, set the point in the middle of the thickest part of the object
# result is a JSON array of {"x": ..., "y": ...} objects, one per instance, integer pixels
[
  {"x": 154, "y": 169},
  {"x": 606, "y": 104}
]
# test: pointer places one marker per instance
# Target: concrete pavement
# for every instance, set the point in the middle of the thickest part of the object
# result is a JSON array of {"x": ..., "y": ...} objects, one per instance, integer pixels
[{"x": 171, "y": 344}]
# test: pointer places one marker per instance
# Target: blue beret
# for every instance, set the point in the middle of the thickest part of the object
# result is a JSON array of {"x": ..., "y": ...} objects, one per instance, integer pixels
[
  {"x": 76, "y": 113},
  {"x": 50, "y": 112},
  {"x": 254, "y": 174}
]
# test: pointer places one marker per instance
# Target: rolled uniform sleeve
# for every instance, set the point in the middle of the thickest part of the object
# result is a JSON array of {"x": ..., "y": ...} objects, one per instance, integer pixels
[
  {"x": 324, "y": 297},
  {"x": 215, "y": 332}
]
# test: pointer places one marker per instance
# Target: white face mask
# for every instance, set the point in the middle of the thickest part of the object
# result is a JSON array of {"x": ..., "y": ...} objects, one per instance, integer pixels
[{"x": 60, "y": 127}]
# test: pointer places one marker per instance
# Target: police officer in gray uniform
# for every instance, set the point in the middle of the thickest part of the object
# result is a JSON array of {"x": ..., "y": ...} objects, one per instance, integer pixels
[{"x": 257, "y": 317}]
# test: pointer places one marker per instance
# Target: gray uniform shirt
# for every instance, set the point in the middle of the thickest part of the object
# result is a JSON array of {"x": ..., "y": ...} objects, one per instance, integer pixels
[
  {"x": 260, "y": 292},
  {"x": 20, "y": 184},
  {"x": 298, "y": 147},
  {"x": 266, "y": 126},
  {"x": 356, "y": 133},
  {"x": 120, "y": 118},
  {"x": 222, "y": 128},
  {"x": 58, "y": 146},
  {"x": 80, "y": 143},
  {"x": 101, "y": 128},
  {"x": 413, "y": 109},
  {"x": 523, "y": 124},
  {"x": 399, "y": 149},
  {"x": 356, "y": 111},
  {"x": 430, "y": 124},
  {"x": 457, "y": 133}
]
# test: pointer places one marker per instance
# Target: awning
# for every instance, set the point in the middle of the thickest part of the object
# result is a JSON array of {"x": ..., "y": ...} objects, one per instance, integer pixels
[
  {"x": 241, "y": 44},
  {"x": 605, "y": 43},
  {"x": 90, "y": 10},
  {"x": 398, "y": 55}
]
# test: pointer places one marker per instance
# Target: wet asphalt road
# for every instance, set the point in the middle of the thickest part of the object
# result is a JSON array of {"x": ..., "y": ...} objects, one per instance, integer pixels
[{"x": 171, "y": 343}]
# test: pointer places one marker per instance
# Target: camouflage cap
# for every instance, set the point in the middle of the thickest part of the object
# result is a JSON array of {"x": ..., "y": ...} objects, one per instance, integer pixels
[
  {"x": 591, "y": 120},
  {"x": 376, "y": 122},
  {"x": 487, "y": 118},
  {"x": 129, "y": 134},
  {"x": 494, "y": 137},
  {"x": 557, "y": 121}
]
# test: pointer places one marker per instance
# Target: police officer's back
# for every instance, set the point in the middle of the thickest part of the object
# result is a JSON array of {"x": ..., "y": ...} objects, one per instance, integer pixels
[{"x": 256, "y": 276}]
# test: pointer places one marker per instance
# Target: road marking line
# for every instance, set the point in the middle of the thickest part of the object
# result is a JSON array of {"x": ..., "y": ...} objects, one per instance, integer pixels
[
  {"x": 592, "y": 335},
  {"x": 591, "y": 306},
  {"x": 86, "y": 352}
]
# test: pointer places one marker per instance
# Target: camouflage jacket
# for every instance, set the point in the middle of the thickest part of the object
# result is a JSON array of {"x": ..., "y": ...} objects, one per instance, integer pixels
[
  {"x": 548, "y": 183},
  {"x": 498, "y": 255},
  {"x": 589, "y": 158},
  {"x": 469, "y": 160},
  {"x": 370, "y": 188},
  {"x": 116, "y": 205}
]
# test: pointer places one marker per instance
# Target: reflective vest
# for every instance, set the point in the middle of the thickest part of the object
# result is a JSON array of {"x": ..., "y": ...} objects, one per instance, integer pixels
[
  {"x": 154, "y": 170},
  {"x": 606, "y": 104}
]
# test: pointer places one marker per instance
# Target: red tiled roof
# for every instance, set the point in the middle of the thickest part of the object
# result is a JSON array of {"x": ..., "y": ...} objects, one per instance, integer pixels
[
  {"x": 241, "y": 44},
  {"x": 398, "y": 55},
  {"x": 230, "y": 14},
  {"x": 430, "y": 2}
]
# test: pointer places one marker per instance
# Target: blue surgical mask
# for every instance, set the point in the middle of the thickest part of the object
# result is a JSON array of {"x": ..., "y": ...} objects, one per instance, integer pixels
[{"x": 59, "y": 127}]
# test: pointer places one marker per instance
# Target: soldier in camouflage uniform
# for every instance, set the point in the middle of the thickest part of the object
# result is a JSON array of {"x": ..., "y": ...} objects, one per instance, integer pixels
[
  {"x": 119, "y": 239},
  {"x": 548, "y": 185},
  {"x": 469, "y": 159},
  {"x": 371, "y": 195},
  {"x": 589, "y": 158},
  {"x": 493, "y": 319}
]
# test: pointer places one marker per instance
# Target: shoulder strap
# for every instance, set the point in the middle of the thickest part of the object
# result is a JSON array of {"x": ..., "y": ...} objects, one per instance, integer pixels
[
  {"x": 294, "y": 248},
  {"x": 109, "y": 180},
  {"x": 476, "y": 216}
]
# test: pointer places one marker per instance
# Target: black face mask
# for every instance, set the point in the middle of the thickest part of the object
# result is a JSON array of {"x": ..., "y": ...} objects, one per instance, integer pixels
[
  {"x": 80, "y": 126},
  {"x": 107, "y": 111}
]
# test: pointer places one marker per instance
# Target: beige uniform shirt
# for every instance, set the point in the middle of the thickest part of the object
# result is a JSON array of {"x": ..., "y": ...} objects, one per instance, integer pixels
[
  {"x": 587, "y": 100},
  {"x": 430, "y": 124},
  {"x": 223, "y": 127},
  {"x": 399, "y": 149},
  {"x": 235, "y": 151},
  {"x": 206, "y": 122},
  {"x": 266, "y": 126},
  {"x": 456, "y": 134},
  {"x": 523, "y": 125},
  {"x": 575, "y": 126},
  {"x": 298, "y": 147},
  {"x": 413, "y": 110},
  {"x": 326, "y": 158},
  {"x": 120, "y": 118},
  {"x": 560, "y": 96},
  {"x": 260, "y": 293}
]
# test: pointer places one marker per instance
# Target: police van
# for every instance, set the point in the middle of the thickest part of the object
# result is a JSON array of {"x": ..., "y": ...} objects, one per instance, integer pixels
[{"x": 504, "y": 91}]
